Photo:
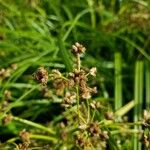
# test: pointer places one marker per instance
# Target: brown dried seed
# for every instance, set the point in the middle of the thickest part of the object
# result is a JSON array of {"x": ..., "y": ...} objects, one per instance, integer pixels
[
  {"x": 78, "y": 48},
  {"x": 41, "y": 75},
  {"x": 7, "y": 95},
  {"x": 109, "y": 115},
  {"x": 7, "y": 119},
  {"x": 24, "y": 135},
  {"x": 93, "y": 71},
  {"x": 94, "y": 129}
]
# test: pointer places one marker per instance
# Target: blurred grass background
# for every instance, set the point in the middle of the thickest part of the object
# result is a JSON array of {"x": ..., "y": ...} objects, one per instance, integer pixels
[{"x": 37, "y": 33}]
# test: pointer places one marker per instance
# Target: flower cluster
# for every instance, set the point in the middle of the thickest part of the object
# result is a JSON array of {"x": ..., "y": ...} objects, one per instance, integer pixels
[
  {"x": 67, "y": 86},
  {"x": 77, "y": 48},
  {"x": 41, "y": 75},
  {"x": 6, "y": 72},
  {"x": 25, "y": 137}
]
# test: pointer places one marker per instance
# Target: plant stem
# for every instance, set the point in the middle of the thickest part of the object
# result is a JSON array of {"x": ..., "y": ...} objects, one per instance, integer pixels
[
  {"x": 138, "y": 98},
  {"x": 118, "y": 81},
  {"x": 35, "y": 136},
  {"x": 147, "y": 82},
  {"x": 36, "y": 125},
  {"x": 88, "y": 111},
  {"x": 78, "y": 102},
  {"x": 128, "y": 131},
  {"x": 78, "y": 62}
]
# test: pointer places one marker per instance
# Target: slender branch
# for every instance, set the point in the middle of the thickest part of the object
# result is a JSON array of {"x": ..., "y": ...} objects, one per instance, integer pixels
[{"x": 36, "y": 125}]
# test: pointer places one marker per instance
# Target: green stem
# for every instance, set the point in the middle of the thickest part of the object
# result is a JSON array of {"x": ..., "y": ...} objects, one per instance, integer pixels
[
  {"x": 138, "y": 98},
  {"x": 118, "y": 81},
  {"x": 43, "y": 137},
  {"x": 93, "y": 18},
  {"x": 147, "y": 82},
  {"x": 88, "y": 111},
  {"x": 78, "y": 62},
  {"x": 35, "y": 136},
  {"x": 36, "y": 125},
  {"x": 128, "y": 131},
  {"x": 78, "y": 102}
]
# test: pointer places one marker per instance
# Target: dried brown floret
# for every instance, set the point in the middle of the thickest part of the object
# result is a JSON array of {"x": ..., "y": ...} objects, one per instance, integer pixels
[
  {"x": 23, "y": 146},
  {"x": 93, "y": 71},
  {"x": 60, "y": 84},
  {"x": 7, "y": 95},
  {"x": 146, "y": 140},
  {"x": 104, "y": 135},
  {"x": 55, "y": 74},
  {"x": 25, "y": 136},
  {"x": 41, "y": 75},
  {"x": 70, "y": 98},
  {"x": 78, "y": 48},
  {"x": 109, "y": 115},
  {"x": 7, "y": 119},
  {"x": 80, "y": 141},
  {"x": 94, "y": 129}
]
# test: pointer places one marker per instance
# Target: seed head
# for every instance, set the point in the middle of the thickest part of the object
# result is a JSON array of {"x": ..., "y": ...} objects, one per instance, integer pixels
[
  {"x": 7, "y": 119},
  {"x": 55, "y": 74},
  {"x": 7, "y": 95},
  {"x": 78, "y": 48},
  {"x": 93, "y": 71},
  {"x": 94, "y": 129},
  {"x": 109, "y": 115},
  {"x": 24, "y": 136},
  {"x": 41, "y": 75}
]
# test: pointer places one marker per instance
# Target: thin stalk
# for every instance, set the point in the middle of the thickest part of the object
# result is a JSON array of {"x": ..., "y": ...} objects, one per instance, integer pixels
[
  {"x": 138, "y": 98},
  {"x": 35, "y": 136},
  {"x": 128, "y": 131},
  {"x": 78, "y": 102},
  {"x": 78, "y": 62},
  {"x": 88, "y": 110},
  {"x": 43, "y": 137},
  {"x": 33, "y": 124},
  {"x": 147, "y": 82},
  {"x": 118, "y": 81},
  {"x": 93, "y": 18}
]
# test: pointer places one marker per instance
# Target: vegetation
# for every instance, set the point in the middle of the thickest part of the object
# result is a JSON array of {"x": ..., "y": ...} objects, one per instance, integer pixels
[{"x": 95, "y": 95}]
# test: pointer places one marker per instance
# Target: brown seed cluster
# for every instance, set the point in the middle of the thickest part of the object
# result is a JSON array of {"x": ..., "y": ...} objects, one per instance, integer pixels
[
  {"x": 78, "y": 48},
  {"x": 7, "y": 95},
  {"x": 94, "y": 129},
  {"x": 41, "y": 75},
  {"x": 82, "y": 142},
  {"x": 7, "y": 119},
  {"x": 109, "y": 115},
  {"x": 25, "y": 136},
  {"x": 69, "y": 99},
  {"x": 79, "y": 77},
  {"x": 96, "y": 105},
  {"x": 6, "y": 72},
  {"x": 146, "y": 140},
  {"x": 60, "y": 85},
  {"x": 96, "y": 132}
]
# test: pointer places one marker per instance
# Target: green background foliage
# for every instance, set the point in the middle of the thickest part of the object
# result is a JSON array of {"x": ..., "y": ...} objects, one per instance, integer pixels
[{"x": 37, "y": 33}]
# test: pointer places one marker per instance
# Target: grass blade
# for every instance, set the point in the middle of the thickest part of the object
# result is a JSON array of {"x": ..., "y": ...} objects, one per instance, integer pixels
[
  {"x": 147, "y": 82},
  {"x": 118, "y": 81},
  {"x": 138, "y": 97}
]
